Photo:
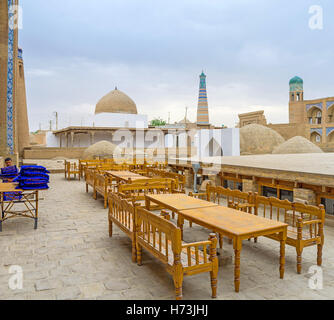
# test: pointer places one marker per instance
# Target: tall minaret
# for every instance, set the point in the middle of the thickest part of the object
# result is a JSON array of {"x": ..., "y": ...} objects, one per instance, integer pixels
[
  {"x": 202, "y": 109},
  {"x": 3, "y": 75},
  {"x": 14, "y": 132}
]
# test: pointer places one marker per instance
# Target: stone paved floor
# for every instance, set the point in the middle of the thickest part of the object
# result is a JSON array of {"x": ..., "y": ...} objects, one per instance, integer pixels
[{"x": 71, "y": 256}]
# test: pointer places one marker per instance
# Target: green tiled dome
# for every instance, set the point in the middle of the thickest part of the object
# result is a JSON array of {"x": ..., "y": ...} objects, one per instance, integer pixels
[
  {"x": 296, "y": 84},
  {"x": 296, "y": 80}
]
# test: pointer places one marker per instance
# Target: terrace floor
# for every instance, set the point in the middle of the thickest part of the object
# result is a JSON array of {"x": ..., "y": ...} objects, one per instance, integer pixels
[{"x": 70, "y": 256}]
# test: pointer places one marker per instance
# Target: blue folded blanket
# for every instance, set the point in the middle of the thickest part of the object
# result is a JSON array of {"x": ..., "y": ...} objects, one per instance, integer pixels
[
  {"x": 33, "y": 187},
  {"x": 9, "y": 196},
  {"x": 34, "y": 174},
  {"x": 9, "y": 172},
  {"x": 33, "y": 169},
  {"x": 31, "y": 180}
]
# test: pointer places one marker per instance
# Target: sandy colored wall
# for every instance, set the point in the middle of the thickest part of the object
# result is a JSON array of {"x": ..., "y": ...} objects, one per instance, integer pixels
[
  {"x": 50, "y": 153},
  {"x": 21, "y": 106},
  {"x": 290, "y": 130}
]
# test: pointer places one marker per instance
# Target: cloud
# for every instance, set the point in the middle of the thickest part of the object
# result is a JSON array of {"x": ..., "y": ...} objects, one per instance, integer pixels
[
  {"x": 39, "y": 73},
  {"x": 155, "y": 50}
]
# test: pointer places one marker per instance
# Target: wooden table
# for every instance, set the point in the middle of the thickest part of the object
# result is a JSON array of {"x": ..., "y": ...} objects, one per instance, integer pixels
[
  {"x": 126, "y": 176},
  {"x": 238, "y": 226},
  {"x": 177, "y": 202},
  {"x": 29, "y": 200}
]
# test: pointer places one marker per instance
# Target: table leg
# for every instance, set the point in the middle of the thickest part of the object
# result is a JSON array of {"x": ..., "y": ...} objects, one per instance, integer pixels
[
  {"x": 180, "y": 222},
  {"x": 2, "y": 198},
  {"x": 282, "y": 254},
  {"x": 237, "y": 250}
]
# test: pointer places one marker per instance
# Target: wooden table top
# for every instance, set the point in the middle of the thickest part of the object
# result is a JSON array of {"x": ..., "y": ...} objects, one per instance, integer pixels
[
  {"x": 125, "y": 175},
  {"x": 9, "y": 187},
  {"x": 179, "y": 201},
  {"x": 233, "y": 221}
]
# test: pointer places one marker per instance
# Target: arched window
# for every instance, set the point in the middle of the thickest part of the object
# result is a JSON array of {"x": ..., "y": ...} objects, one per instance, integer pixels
[
  {"x": 314, "y": 115},
  {"x": 213, "y": 149},
  {"x": 330, "y": 113}
]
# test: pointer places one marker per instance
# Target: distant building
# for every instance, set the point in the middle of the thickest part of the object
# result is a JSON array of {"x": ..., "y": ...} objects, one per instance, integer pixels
[
  {"x": 312, "y": 119},
  {"x": 256, "y": 117}
]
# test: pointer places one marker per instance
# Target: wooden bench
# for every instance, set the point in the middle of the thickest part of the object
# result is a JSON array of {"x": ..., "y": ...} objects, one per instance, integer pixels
[
  {"x": 306, "y": 223},
  {"x": 235, "y": 199},
  {"x": 122, "y": 213},
  {"x": 102, "y": 186},
  {"x": 179, "y": 178},
  {"x": 136, "y": 191},
  {"x": 71, "y": 168},
  {"x": 85, "y": 164},
  {"x": 162, "y": 239}
]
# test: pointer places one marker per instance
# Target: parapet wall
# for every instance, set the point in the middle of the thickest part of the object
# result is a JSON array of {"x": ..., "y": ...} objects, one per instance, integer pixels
[
  {"x": 50, "y": 153},
  {"x": 76, "y": 153},
  {"x": 290, "y": 130}
]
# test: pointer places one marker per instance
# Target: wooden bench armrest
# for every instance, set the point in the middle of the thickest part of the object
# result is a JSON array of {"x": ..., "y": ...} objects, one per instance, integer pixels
[
  {"x": 194, "y": 254},
  {"x": 196, "y": 195},
  {"x": 305, "y": 223},
  {"x": 124, "y": 196},
  {"x": 178, "y": 191},
  {"x": 196, "y": 244}
]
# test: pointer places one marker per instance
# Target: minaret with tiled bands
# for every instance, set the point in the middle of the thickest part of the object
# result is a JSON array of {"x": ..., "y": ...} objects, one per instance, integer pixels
[{"x": 202, "y": 109}]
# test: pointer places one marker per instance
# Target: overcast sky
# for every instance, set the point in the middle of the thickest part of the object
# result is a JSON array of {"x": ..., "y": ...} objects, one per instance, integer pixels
[{"x": 76, "y": 51}]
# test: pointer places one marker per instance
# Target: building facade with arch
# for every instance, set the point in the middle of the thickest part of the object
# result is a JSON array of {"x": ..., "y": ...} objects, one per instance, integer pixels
[
  {"x": 317, "y": 116},
  {"x": 312, "y": 119}
]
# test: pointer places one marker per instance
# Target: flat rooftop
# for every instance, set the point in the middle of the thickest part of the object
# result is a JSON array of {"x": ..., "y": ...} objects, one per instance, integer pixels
[{"x": 318, "y": 167}]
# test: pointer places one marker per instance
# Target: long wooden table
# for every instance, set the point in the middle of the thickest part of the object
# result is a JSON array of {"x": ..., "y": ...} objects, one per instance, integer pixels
[
  {"x": 177, "y": 202},
  {"x": 126, "y": 176},
  {"x": 229, "y": 222},
  {"x": 29, "y": 198}
]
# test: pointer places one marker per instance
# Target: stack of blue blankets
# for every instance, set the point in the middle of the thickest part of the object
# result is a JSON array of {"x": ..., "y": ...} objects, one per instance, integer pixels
[{"x": 33, "y": 178}]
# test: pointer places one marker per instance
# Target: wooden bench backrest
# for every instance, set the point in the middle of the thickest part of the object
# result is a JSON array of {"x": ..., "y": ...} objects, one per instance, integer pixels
[
  {"x": 111, "y": 167},
  {"x": 101, "y": 180},
  {"x": 215, "y": 194},
  {"x": 286, "y": 211},
  {"x": 179, "y": 179},
  {"x": 90, "y": 175},
  {"x": 156, "y": 233},
  {"x": 122, "y": 211},
  {"x": 148, "y": 187}
]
